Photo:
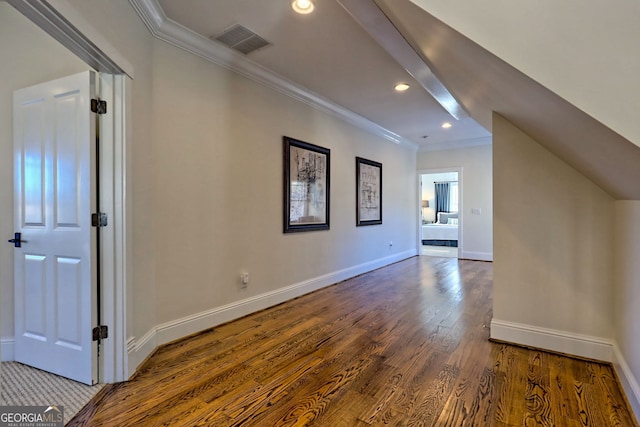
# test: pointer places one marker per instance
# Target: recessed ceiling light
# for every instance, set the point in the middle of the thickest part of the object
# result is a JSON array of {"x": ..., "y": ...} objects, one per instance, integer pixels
[
  {"x": 302, "y": 6},
  {"x": 446, "y": 125},
  {"x": 401, "y": 87}
]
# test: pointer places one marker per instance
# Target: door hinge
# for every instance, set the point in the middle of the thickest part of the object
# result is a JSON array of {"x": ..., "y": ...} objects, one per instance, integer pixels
[
  {"x": 100, "y": 333},
  {"x": 99, "y": 219},
  {"x": 98, "y": 106}
]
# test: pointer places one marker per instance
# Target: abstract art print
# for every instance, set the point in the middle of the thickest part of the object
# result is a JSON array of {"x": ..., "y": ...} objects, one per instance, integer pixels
[
  {"x": 306, "y": 186},
  {"x": 368, "y": 192}
]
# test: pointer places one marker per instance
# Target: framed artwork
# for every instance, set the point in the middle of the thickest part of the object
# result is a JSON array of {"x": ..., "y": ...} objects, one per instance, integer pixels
[
  {"x": 368, "y": 192},
  {"x": 306, "y": 186}
]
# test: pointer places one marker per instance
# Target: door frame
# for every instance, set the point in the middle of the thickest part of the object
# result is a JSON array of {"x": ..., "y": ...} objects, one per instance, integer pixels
[
  {"x": 114, "y": 268},
  {"x": 115, "y": 131},
  {"x": 421, "y": 172}
]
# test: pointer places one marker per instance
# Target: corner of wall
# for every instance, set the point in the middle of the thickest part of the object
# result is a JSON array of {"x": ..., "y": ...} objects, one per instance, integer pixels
[
  {"x": 629, "y": 382},
  {"x": 553, "y": 252},
  {"x": 627, "y": 297}
]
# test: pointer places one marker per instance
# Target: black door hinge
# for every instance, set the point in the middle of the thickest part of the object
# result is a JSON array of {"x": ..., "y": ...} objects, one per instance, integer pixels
[
  {"x": 98, "y": 106},
  {"x": 99, "y": 219},
  {"x": 100, "y": 333}
]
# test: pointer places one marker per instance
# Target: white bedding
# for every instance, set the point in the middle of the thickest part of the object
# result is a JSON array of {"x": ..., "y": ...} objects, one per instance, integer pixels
[{"x": 440, "y": 232}]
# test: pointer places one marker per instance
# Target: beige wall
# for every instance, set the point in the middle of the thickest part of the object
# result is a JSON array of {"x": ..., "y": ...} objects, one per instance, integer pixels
[
  {"x": 553, "y": 240},
  {"x": 476, "y": 164},
  {"x": 218, "y": 183},
  {"x": 627, "y": 297},
  {"x": 566, "y": 272},
  {"x": 29, "y": 57},
  {"x": 206, "y": 183},
  {"x": 590, "y": 45}
]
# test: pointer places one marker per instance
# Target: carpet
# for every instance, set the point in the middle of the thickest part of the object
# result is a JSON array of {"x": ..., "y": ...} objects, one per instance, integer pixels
[{"x": 26, "y": 386}]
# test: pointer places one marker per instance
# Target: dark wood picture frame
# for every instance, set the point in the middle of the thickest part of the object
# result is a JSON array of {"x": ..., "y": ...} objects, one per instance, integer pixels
[
  {"x": 307, "y": 182},
  {"x": 368, "y": 192}
]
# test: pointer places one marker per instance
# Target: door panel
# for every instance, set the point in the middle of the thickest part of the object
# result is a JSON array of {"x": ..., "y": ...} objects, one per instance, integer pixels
[
  {"x": 33, "y": 269},
  {"x": 32, "y": 204},
  {"x": 55, "y": 279}
]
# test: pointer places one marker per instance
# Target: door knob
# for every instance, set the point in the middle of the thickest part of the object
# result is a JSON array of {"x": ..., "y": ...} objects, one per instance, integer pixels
[{"x": 17, "y": 240}]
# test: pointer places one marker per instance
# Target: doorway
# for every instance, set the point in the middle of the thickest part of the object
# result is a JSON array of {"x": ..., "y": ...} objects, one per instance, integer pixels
[
  {"x": 54, "y": 60},
  {"x": 439, "y": 230}
]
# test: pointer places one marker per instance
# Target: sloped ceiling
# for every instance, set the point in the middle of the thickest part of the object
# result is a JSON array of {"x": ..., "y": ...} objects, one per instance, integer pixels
[
  {"x": 485, "y": 83},
  {"x": 326, "y": 58},
  {"x": 479, "y": 80}
]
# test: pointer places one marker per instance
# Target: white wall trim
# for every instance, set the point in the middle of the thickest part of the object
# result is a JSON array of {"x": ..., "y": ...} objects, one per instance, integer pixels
[
  {"x": 177, "y": 35},
  {"x": 7, "y": 349},
  {"x": 477, "y": 256},
  {"x": 628, "y": 381},
  {"x": 139, "y": 350},
  {"x": 553, "y": 340},
  {"x": 113, "y": 238}
]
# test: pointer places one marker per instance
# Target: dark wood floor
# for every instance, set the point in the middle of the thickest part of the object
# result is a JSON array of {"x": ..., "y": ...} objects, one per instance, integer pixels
[{"x": 406, "y": 345}]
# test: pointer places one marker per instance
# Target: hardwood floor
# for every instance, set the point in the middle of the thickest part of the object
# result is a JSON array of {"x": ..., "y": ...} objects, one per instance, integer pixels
[{"x": 406, "y": 345}]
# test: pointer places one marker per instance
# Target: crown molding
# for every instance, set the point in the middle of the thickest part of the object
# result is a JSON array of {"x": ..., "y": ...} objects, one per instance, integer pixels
[{"x": 182, "y": 37}]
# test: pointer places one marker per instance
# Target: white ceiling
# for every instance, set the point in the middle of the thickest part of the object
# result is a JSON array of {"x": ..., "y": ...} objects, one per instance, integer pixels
[{"x": 330, "y": 54}]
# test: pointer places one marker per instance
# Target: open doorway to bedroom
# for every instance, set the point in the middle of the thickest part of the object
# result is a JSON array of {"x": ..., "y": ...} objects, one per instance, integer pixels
[{"x": 440, "y": 221}]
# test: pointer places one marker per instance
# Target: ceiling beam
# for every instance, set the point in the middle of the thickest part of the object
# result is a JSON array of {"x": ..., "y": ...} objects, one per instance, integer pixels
[{"x": 375, "y": 22}]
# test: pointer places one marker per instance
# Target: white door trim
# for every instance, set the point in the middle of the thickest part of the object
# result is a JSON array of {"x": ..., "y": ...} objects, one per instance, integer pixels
[
  {"x": 114, "y": 135},
  {"x": 113, "y": 242}
]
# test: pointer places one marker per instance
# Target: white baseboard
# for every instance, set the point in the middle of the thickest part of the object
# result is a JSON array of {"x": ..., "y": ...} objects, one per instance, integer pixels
[
  {"x": 139, "y": 350},
  {"x": 477, "y": 256},
  {"x": 7, "y": 350},
  {"x": 628, "y": 381},
  {"x": 553, "y": 340},
  {"x": 176, "y": 329}
]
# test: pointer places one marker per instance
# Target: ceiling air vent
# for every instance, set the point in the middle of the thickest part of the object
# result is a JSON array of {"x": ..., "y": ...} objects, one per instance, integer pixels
[{"x": 241, "y": 39}]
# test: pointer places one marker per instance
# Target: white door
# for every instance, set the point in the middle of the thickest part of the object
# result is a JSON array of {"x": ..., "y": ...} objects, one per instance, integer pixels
[{"x": 55, "y": 194}]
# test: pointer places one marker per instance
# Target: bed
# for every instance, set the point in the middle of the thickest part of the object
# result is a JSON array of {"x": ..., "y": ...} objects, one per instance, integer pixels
[{"x": 444, "y": 232}]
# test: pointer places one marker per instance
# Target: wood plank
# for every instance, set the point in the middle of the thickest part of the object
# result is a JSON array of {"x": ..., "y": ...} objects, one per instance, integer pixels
[
  {"x": 403, "y": 345},
  {"x": 616, "y": 413},
  {"x": 538, "y": 394}
]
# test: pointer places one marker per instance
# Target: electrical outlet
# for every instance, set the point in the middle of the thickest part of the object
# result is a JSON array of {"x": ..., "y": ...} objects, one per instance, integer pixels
[
  {"x": 244, "y": 279},
  {"x": 476, "y": 211}
]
